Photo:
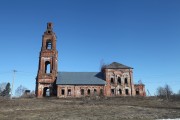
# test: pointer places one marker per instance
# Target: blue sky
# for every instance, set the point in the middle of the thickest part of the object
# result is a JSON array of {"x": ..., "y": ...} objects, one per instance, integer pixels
[{"x": 143, "y": 34}]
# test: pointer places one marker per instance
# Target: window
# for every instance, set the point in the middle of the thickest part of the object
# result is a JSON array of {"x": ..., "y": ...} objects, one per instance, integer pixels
[
  {"x": 120, "y": 91},
  {"x": 62, "y": 92},
  {"x": 119, "y": 80},
  {"x": 112, "y": 80},
  {"x": 49, "y": 26},
  {"x": 112, "y": 91},
  {"x": 49, "y": 31},
  {"x": 89, "y": 92},
  {"x": 127, "y": 92},
  {"x": 47, "y": 67},
  {"x": 125, "y": 81},
  {"x": 101, "y": 92},
  {"x": 49, "y": 45},
  {"x": 82, "y": 91},
  {"x": 69, "y": 92},
  {"x": 137, "y": 91},
  {"x": 95, "y": 91}
]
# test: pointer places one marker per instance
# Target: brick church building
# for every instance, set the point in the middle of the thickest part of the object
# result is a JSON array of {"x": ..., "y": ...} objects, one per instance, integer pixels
[{"x": 114, "y": 79}]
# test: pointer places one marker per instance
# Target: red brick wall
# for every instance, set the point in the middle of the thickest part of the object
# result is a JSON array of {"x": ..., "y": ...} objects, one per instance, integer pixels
[
  {"x": 47, "y": 80},
  {"x": 116, "y": 86},
  {"x": 76, "y": 90},
  {"x": 141, "y": 89}
]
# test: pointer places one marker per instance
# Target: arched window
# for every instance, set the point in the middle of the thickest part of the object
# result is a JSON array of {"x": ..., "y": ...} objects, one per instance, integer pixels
[
  {"x": 101, "y": 92},
  {"x": 82, "y": 91},
  {"x": 95, "y": 91},
  {"x": 47, "y": 67},
  {"x": 127, "y": 91},
  {"x": 49, "y": 45},
  {"x": 137, "y": 91},
  {"x": 119, "y": 80},
  {"x": 112, "y": 92},
  {"x": 69, "y": 92},
  {"x": 89, "y": 92},
  {"x": 62, "y": 92},
  {"x": 120, "y": 91},
  {"x": 126, "y": 81},
  {"x": 112, "y": 80}
]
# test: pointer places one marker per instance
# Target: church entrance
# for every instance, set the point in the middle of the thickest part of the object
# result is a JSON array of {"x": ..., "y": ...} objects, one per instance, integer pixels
[{"x": 46, "y": 92}]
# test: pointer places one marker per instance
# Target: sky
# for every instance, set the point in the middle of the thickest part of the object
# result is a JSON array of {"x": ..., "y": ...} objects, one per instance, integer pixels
[{"x": 143, "y": 34}]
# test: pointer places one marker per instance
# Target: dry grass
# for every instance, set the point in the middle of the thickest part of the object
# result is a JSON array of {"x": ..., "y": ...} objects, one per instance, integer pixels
[{"x": 90, "y": 109}]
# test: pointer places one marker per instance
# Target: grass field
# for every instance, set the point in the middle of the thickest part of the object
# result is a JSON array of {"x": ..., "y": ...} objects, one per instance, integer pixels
[{"x": 88, "y": 109}]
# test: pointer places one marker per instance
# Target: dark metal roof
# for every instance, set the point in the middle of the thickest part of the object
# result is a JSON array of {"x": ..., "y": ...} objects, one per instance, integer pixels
[
  {"x": 116, "y": 65},
  {"x": 80, "y": 78},
  {"x": 139, "y": 84}
]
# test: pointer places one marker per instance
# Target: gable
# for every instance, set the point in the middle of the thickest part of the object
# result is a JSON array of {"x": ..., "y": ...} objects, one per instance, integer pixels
[{"x": 116, "y": 65}]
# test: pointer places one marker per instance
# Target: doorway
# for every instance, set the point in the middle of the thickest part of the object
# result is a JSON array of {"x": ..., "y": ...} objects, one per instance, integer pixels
[{"x": 46, "y": 92}]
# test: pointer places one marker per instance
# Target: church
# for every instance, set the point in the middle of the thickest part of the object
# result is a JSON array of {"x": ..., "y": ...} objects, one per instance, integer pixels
[{"x": 113, "y": 80}]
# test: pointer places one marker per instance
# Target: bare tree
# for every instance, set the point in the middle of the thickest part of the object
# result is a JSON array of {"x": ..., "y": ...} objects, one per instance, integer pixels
[
  {"x": 102, "y": 65},
  {"x": 160, "y": 92},
  {"x": 164, "y": 92},
  {"x": 2, "y": 86},
  {"x": 20, "y": 91},
  {"x": 168, "y": 91}
]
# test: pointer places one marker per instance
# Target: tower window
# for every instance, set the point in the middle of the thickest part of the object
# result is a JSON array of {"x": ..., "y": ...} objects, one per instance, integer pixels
[
  {"x": 47, "y": 67},
  {"x": 49, "y": 45}
]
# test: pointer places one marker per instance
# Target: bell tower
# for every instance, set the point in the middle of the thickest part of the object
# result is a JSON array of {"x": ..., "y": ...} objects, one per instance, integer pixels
[{"x": 48, "y": 59}]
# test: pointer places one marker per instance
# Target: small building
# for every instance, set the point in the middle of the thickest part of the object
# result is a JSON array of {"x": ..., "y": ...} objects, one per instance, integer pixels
[{"x": 113, "y": 80}]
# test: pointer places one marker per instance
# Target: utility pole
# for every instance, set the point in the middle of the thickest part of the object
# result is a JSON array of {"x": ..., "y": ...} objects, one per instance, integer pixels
[{"x": 14, "y": 72}]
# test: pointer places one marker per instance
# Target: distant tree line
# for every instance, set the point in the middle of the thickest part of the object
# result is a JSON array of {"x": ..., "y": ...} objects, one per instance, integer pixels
[
  {"x": 167, "y": 93},
  {"x": 21, "y": 91}
]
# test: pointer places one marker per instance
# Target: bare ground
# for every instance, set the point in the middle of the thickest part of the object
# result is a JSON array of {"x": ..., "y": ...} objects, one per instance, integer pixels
[{"x": 89, "y": 109}]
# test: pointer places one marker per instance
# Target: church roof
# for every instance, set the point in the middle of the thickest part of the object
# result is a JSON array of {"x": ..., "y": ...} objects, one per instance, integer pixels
[
  {"x": 80, "y": 78},
  {"x": 116, "y": 65}
]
